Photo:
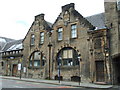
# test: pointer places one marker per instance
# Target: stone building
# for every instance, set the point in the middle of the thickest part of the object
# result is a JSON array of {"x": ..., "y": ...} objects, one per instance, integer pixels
[
  {"x": 74, "y": 47},
  {"x": 112, "y": 18},
  {"x": 11, "y": 57}
]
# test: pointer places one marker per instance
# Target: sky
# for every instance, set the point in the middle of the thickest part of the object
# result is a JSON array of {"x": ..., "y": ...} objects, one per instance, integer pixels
[{"x": 16, "y": 16}]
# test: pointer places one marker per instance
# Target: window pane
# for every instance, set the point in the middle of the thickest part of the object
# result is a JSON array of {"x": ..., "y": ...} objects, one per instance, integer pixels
[
  {"x": 65, "y": 62},
  {"x": 70, "y": 54},
  {"x": 76, "y": 62},
  {"x": 74, "y": 31},
  {"x": 30, "y": 63},
  {"x": 65, "y": 54},
  {"x": 32, "y": 39},
  {"x": 60, "y": 33},
  {"x": 37, "y": 63},
  {"x": 43, "y": 62},
  {"x": 37, "y": 56},
  {"x": 41, "y": 37}
]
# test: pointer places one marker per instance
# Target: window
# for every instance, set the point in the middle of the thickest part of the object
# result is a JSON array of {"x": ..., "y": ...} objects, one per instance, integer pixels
[
  {"x": 35, "y": 59},
  {"x": 32, "y": 39},
  {"x": 97, "y": 43},
  {"x": 43, "y": 62},
  {"x": 41, "y": 37},
  {"x": 74, "y": 31},
  {"x": 36, "y": 63},
  {"x": 69, "y": 57},
  {"x": 60, "y": 33},
  {"x": 67, "y": 54}
]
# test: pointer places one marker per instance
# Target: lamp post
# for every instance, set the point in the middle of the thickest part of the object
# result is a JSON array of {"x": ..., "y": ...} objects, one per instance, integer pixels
[
  {"x": 59, "y": 60},
  {"x": 79, "y": 57},
  {"x": 106, "y": 67},
  {"x": 49, "y": 45}
]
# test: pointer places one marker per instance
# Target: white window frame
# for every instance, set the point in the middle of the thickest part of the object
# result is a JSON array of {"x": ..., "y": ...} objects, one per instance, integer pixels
[
  {"x": 73, "y": 31},
  {"x": 60, "y": 34},
  {"x": 41, "y": 37}
]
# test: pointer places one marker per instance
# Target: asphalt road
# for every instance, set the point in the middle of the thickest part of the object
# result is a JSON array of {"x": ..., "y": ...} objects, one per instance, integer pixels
[{"x": 8, "y": 84}]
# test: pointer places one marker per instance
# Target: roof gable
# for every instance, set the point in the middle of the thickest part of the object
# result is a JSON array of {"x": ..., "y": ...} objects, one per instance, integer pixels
[
  {"x": 69, "y": 15},
  {"x": 39, "y": 24}
]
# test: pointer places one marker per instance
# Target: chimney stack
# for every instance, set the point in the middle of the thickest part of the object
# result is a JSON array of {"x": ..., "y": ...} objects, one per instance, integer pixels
[
  {"x": 67, "y": 7},
  {"x": 40, "y": 16}
]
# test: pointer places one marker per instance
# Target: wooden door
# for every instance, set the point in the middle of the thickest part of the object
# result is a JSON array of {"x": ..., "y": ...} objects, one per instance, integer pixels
[
  {"x": 15, "y": 70},
  {"x": 100, "y": 71}
]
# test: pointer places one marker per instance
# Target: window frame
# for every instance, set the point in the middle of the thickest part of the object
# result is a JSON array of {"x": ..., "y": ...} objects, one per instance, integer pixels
[
  {"x": 32, "y": 40},
  {"x": 42, "y": 37},
  {"x": 70, "y": 61},
  {"x": 36, "y": 62},
  {"x": 74, "y": 31},
  {"x": 60, "y": 34}
]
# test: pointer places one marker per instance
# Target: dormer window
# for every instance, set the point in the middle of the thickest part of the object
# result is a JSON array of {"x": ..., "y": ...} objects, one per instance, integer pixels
[
  {"x": 73, "y": 31},
  {"x": 32, "y": 42},
  {"x": 60, "y": 32}
]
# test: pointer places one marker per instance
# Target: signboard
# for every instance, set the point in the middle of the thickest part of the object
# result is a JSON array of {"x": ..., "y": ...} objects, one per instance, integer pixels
[
  {"x": 24, "y": 69},
  {"x": 19, "y": 66}
]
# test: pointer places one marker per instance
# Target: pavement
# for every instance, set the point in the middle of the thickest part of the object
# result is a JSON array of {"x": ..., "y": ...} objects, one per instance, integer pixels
[{"x": 65, "y": 83}]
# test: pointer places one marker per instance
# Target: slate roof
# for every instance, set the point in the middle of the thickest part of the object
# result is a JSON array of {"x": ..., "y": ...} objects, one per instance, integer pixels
[
  {"x": 3, "y": 41},
  {"x": 97, "y": 20},
  {"x": 14, "y": 45}
]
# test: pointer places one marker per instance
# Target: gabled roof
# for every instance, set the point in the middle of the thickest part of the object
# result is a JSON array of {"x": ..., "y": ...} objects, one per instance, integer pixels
[
  {"x": 4, "y": 41},
  {"x": 97, "y": 20},
  {"x": 14, "y": 45}
]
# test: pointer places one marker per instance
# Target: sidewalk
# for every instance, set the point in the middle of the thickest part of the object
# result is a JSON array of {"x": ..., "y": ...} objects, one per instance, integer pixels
[{"x": 65, "y": 83}]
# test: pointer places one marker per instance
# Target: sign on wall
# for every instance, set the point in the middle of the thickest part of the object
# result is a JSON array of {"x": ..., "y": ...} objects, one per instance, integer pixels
[{"x": 19, "y": 66}]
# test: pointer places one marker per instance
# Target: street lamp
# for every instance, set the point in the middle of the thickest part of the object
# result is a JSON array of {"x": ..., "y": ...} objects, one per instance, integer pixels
[
  {"x": 49, "y": 45},
  {"x": 79, "y": 57},
  {"x": 59, "y": 64}
]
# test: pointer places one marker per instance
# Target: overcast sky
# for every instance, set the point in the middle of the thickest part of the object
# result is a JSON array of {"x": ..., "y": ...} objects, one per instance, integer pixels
[{"x": 16, "y": 16}]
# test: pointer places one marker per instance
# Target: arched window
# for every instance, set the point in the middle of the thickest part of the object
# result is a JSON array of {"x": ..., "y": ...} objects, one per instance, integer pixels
[
  {"x": 36, "y": 59},
  {"x": 67, "y": 57}
]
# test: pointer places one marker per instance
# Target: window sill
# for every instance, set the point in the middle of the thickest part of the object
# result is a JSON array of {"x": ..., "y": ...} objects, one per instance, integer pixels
[
  {"x": 59, "y": 40},
  {"x": 32, "y": 45},
  {"x": 74, "y": 37}
]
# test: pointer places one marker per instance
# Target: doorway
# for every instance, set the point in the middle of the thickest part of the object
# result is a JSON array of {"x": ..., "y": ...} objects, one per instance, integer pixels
[
  {"x": 14, "y": 71},
  {"x": 116, "y": 70},
  {"x": 100, "y": 71}
]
